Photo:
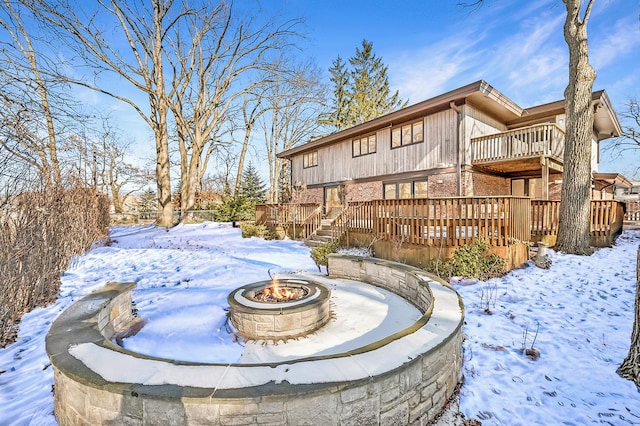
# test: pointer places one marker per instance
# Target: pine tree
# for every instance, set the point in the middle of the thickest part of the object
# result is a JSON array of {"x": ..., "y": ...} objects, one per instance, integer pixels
[
  {"x": 362, "y": 92},
  {"x": 339, "y": 116},
  {"x": 252, "y": 189}
]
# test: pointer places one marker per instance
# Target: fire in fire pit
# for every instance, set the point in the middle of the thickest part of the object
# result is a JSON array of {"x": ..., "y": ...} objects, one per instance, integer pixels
[
  {"x": 275, "y": 293},
  {"x": 279, "y": 310}
]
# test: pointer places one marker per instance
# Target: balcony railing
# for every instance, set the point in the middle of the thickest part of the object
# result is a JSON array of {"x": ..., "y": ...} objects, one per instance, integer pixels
[{"x": 533, "y": 141}]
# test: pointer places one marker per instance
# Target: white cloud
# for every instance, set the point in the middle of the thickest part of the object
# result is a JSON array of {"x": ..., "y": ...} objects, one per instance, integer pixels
[
  {"x": 522, "y": 54},
  {"x": 622, "y": 40},
  {"x": 426, "y": 72}
]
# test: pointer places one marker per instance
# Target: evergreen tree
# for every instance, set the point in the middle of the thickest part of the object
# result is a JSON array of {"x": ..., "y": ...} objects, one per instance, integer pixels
[
  {"x": 339, "y": 116},
  {"x": 362, "y": 92},
  {"x": 252, "y": 189},
  {"x": 148, "y": 205}
]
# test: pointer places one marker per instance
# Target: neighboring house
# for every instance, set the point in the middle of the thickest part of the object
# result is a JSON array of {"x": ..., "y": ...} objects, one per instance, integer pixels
[
  {"x": 629, "y": 192},
  {"x": 472, "y": 141}
]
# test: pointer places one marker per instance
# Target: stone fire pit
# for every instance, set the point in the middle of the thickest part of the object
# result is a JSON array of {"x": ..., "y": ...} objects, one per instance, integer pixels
[
  {"x": 258, "y": 317},
  {"x": 404, "y": 375}
]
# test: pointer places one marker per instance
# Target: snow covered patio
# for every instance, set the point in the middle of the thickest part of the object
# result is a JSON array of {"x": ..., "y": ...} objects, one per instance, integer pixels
[
  {"x": 390, "y": 363},
  {"x": 584, "y": 306}
]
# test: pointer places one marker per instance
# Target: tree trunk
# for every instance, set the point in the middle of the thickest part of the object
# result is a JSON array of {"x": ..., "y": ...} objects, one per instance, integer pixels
[
  {"x": 190, "y": 183},
  {"x": 575, "y": 206},
  {"x": 165, "y": 207},
  {"x": 116, "y": 200},
  {"x": 159, "y": 119},
  {"x": 630, "y": 368}
]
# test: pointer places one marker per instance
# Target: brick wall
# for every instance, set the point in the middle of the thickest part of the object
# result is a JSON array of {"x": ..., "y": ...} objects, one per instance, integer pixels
[
  {"x": 443, "y": 185},
  {"x": 356, "y": 192},
  {"x": 311, "y": 195},
  {"x": 555, "y": 191},
  {"x": 489, "y": 185}
]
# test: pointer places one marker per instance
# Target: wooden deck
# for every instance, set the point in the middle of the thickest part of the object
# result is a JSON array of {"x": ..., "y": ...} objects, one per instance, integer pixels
[{"x": 450, "y": 222}]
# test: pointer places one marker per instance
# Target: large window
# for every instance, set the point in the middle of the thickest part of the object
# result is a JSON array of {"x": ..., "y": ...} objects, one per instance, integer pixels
[
  {"x": 363, "y": 146},
  {"x": 403, "y": 190},
  {"x": 310, "y": 160},
  {"x": 407, "y": 134}
]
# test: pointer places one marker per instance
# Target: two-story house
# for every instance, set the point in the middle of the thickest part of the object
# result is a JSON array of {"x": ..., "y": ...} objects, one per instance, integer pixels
[{"x": 472, "y": 141}]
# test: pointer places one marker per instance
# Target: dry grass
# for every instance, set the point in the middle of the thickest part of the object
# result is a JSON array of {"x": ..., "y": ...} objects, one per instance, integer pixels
[{"x": 40, "y": 232}]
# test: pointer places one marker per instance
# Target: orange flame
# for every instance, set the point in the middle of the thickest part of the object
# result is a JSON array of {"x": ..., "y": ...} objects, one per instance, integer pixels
[{"x": 276, "y": 292}]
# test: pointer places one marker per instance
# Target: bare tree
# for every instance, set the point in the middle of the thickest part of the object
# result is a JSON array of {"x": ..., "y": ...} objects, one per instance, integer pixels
[
  {"x": 214, "y": 66},
  {"x": 34, "y": 104},
  {"x": 146, "y": 29},
  {"x": 294, "y": 100},
  {"x": 112, "y": 173},
  {"x": 575, "y": 204},
  {"x": 630, "y": 368},
  {"x": 253, "y": 108},
  {"x": 630, "y": 138}
]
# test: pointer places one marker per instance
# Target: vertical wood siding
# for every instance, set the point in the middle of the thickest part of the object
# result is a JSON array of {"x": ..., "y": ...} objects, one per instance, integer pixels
[
  {"x": 475, "y": 124},
  {"x": 336, "y": 164}
]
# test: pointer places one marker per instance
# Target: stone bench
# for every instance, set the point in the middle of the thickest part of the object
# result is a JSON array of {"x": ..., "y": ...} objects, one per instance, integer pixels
[{"x": 406, "y": 378}]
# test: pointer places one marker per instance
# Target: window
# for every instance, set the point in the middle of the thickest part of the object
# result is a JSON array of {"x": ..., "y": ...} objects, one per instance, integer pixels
[
  {"x": 420, "y": 189},
  {"x": 407, "y": 134},
  {"x": 389, "y": 191},
  {"x": 310, "y": 160},
  {"x": 363, "y": 146},
  {"x": 404, "y": 190}
]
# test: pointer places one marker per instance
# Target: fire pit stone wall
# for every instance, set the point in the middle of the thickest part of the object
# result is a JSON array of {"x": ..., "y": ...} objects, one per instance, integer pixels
[
  {"x": 282, "y": 320},
  {"x": 413, "y": 392}
]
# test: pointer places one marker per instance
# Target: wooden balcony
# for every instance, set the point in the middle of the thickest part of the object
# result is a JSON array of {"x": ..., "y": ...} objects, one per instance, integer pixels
[{"x": 520, "y": 150}]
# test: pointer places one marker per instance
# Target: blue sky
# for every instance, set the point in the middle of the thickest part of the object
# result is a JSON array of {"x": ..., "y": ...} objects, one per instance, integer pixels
[
  {"x": 517, "y": 46},
  {"x": 431, "y": 47}
]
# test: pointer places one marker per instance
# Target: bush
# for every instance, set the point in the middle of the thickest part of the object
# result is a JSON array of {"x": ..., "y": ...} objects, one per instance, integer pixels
[
  {"x": 470, "y": 261},
  {"x": 319, "y": 254},
  {"x": 234, "y": 209},
  {"x": 251, "y": 229},
  {"x": 40, "y": 233}
]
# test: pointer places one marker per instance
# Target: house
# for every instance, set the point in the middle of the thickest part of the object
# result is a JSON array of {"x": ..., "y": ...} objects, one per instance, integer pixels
[
  {"x": 471, "y": 141},
  {"x": 466, "y": 165},
  {"x": 627, "y": 191}
]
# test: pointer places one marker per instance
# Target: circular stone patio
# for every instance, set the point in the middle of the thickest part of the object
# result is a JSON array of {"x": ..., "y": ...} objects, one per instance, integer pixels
[{"x": 400, "y": 370}]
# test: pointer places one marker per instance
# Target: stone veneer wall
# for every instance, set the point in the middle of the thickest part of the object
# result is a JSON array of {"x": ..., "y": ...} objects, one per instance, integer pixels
[{"x": 413, "y": 393}]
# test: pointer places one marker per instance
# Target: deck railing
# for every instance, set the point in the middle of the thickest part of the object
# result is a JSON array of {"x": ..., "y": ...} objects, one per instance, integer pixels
[
  {"x": 297, "y": 220},
  {"x": 453, "y": 222},
  {"x": 446, "y": 222},
  {"x": 632, "y": 213},
  {"x": 531, "y": 141},
  {"x": 356, "y": 217},
  {"x": 442, "y": 222},
  {"x": 545, "y": 216}
]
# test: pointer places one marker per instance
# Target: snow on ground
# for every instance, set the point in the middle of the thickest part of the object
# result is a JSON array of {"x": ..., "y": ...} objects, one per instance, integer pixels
[{"x": 582, "y": 310}]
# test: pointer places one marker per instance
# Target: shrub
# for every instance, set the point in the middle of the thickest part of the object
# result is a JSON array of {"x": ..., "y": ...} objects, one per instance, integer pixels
[
  {"x": 470, "y": 261},
  {"x": 251, "y": 229},
  {"x": 40, "y": 233},
  {"x": 319, "y": 254}
]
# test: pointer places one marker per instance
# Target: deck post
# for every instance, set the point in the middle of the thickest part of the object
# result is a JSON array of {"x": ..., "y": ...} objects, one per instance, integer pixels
[{"x": 545, "y": 177}]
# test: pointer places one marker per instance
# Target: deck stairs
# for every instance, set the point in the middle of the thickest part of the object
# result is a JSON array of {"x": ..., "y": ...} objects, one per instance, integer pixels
[{"x": 322, "y": 235}]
